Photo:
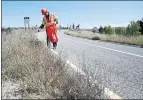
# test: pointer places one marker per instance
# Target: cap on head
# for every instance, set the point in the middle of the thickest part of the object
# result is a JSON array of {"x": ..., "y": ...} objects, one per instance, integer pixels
[{"x": 44, "y": 11}]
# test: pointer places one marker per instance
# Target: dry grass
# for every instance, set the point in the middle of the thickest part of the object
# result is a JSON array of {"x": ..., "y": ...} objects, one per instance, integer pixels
[
  {"x": 83, "y": 34},
  {"x": 43, "y": 75},
  {"x": 135, "y": 40}
]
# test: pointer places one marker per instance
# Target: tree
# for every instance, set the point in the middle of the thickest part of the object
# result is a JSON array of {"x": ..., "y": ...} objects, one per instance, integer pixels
[
  {"x": 120, "y": 30},
  {"x": 8, "y": 30},
  {"x": 73, "y": 26},
  {"x": 94, "y": 29},
  {"x": 128, "y": 30},
  {"x": 109, "y": 30},
  {"x": 133, "y": 28},
  {"x": 104, "y": 29},
  {"x": 101, "y": 29},
  {"x": 140, "y": 22}
]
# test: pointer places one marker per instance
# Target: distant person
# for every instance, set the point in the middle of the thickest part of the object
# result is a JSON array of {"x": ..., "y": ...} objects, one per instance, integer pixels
[{"x": 49, "y": 21}]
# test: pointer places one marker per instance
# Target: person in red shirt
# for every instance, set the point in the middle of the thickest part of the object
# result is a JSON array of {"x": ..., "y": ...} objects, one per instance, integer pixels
[{"x": 49, "y": 22}]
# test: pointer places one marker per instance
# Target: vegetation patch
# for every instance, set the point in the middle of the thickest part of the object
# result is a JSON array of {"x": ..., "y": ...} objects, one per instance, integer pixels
[{"x": 42, "y": 74}]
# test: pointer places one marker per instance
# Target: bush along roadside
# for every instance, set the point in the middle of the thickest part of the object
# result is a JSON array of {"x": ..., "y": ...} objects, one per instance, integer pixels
[
  {"x": 41, "y": 74},
  {"x": 131, "y": 35}
]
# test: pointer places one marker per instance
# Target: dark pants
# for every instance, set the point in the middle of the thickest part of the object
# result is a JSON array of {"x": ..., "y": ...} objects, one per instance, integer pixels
[{"x": 48, "y": 42}]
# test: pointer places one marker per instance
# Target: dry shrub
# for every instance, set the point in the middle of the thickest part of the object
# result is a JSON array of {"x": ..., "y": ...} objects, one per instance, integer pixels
[
  {"x": 26, "y": 58},
  {"x": 43, "y": 74}
]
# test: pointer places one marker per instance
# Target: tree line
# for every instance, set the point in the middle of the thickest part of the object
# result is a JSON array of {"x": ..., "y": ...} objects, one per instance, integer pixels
[
  {"x": 134, "y": 28},
  {"x": 73, "y": 26}
]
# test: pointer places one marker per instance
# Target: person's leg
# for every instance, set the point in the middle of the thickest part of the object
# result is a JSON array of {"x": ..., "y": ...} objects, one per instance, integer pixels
[
  {"x": 48, "y": 43},
  {"x": 54, "y": 45},
  {"x": 47, "y": 38}
]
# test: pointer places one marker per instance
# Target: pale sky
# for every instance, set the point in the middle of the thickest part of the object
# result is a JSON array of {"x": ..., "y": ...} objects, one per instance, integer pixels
[{"x": 88, "y": 14}]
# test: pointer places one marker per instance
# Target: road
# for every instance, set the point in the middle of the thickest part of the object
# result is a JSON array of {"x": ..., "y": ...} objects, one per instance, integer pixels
[{"x": 118, "y": 67}]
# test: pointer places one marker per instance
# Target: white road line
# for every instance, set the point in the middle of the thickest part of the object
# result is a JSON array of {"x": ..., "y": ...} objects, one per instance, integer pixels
[
  {"x": 71, "y": 65},
  {"x": 106, "y": 48},
  {"x": 75, "y": 67},
  {"x": 54, "y": 51},
  {"x": 111, "y": 94},
  {"x": 107, "y": 91}
]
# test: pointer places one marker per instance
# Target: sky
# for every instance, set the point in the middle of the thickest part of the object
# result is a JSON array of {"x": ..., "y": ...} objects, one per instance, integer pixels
[{"x": 88, "y": 14}]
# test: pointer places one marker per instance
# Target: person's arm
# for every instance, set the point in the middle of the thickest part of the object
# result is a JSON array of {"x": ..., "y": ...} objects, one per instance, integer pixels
[
  {"x": 43, "y": 24},
  {"x": 55, "y": 19}
]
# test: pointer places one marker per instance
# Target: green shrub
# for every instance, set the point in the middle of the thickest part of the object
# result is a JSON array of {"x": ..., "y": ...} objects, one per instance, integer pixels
[
  {"x": 109, "y": 30},
  {"x": 120, "y": 30},
  {"x": 133, "y": 28}
]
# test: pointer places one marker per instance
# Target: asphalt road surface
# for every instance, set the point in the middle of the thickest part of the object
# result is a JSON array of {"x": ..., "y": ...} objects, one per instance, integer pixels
[{"x": 118, "y": 67}]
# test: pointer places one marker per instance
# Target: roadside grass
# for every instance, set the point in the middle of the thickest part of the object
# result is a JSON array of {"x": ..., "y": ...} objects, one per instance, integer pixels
[
  {"x": 133, "y": 40},
  {"x": 83, "y": 34},
  {"x": 43, "y": 75}
]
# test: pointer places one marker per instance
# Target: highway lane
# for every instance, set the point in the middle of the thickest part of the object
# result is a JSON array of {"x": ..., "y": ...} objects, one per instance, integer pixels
[{"x": 118, "y": 67}]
